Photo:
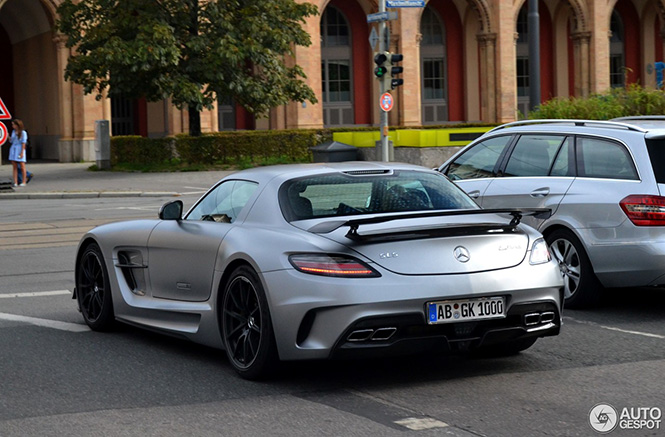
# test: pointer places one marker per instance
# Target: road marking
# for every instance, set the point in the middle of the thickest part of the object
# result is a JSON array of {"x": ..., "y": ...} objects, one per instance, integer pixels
[
  {"x": 36, "y": 294},
  {"x": 419, "y": 424},
  {"x": 130, "y": 208},
  {"x": 612, "y": 328},
  {"x": 54, "y": 324}
]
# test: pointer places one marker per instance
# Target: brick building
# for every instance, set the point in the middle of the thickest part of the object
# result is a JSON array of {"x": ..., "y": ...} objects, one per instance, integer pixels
[{"x": 464, "y": 60}]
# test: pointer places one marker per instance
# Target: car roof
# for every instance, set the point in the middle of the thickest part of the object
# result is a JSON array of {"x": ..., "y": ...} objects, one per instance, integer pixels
[
  {"x": 547, "y": 124},
  {"x": 650, "y": 127}
]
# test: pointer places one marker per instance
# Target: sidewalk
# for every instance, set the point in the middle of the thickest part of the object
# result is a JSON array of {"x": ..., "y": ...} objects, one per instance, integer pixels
[{"x": 74, "y": 180}]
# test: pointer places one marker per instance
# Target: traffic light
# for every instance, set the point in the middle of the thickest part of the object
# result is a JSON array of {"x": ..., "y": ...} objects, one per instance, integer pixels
[
  {"x": 380, "y": 71},
  {"x": 394, "y": 59}
]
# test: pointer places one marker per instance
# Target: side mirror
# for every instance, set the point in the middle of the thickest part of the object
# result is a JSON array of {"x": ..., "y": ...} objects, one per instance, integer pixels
[{"x": 171, "y": 210}]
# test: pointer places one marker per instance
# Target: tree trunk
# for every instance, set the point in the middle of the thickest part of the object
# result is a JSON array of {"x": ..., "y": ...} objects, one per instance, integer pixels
[
  {"x": 194, "y": 122},
  {"x": 194, "y": 115}
]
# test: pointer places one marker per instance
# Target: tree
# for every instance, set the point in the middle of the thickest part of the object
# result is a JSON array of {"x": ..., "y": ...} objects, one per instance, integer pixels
[{"x": 192, "y": 51}]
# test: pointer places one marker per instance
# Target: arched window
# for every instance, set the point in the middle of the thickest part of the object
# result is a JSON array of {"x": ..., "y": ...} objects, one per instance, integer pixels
[
  {"x": 433, "y": 67},
  {"x": 617, "y": 56},
  {"x": 336, "y": 68}
]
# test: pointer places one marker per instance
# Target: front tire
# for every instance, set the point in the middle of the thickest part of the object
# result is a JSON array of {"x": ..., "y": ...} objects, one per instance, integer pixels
[
  {"x": 581, "y": 287},
  {"x": 93, "y": 290},
  {"x": 246, "y": 325}
]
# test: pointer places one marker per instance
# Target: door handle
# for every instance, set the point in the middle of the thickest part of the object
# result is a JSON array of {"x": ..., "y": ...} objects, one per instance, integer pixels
[
  {"x": 540, "y": 192},
  {"x": 474, "y": 194}
]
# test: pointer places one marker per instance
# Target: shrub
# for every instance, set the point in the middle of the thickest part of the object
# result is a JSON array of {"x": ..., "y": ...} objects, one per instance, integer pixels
[
  {"x": 140, "y": 150},
  {"x": 617, "y": 102},
  {"x": 243, "y": 148},
  {"x": 226, "y": 149}
]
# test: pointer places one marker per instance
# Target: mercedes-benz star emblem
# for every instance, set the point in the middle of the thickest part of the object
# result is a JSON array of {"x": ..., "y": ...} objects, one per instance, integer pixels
[{"x": 461, "y": 254}]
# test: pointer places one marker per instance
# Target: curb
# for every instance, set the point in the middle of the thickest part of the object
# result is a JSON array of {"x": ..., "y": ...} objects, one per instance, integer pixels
[{"x": 84, "y": 194}]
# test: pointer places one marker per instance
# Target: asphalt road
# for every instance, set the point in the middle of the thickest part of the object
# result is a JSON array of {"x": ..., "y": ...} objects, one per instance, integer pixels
[{"x": 59, "y": 378}]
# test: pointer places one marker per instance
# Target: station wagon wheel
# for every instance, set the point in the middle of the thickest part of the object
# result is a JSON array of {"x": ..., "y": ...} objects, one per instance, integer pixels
[
  {"x": 93, "y": 290},
  {"x": 246, "y": 325},
  {"x": 581, "y": 287}
]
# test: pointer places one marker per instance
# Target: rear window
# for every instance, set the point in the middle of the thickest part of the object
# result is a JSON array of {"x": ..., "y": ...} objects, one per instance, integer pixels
[
  {"x": 598, "y": 158},
  {"x": 342, "y": 194},
  {"x": 656, "y": 150}
]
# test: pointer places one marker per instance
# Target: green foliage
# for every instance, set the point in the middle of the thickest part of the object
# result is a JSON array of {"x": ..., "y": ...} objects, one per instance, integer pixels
[
  {"x": 618, "y": 102},
  {"x": 188, "y": 50},
  {"x": 141, "y": 150},
  {"x": 216, "y": 150}
]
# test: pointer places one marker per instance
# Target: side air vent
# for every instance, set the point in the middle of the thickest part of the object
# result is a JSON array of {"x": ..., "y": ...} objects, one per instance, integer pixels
[{"x": 132, "y": 267}]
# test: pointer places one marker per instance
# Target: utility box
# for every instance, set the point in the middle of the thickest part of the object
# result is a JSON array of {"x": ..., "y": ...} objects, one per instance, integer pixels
[
  {"x": 334, "y": 151},
  {"x": 103, "y": 144}
]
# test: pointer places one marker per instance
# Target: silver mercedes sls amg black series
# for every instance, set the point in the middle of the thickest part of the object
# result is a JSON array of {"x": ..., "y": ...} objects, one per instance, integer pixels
[{"x": 326, "y": 261}]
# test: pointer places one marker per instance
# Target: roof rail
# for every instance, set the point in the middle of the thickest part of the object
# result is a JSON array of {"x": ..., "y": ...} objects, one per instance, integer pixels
[
  {"x": 639, "y": 117},
  {"x": 576, "y": 122}
]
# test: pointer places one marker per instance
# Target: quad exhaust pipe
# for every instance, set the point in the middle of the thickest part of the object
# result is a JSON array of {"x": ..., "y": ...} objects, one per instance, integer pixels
[
  {"x": 379, "y": 334},
  {"x": 533, "y": 319}
]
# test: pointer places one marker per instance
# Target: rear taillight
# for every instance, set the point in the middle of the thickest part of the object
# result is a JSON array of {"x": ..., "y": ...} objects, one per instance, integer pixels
[
  {"x": 644, "y": 210},
  {"x": 540, "y": 253},
  {"x": 332, "y": 265}
]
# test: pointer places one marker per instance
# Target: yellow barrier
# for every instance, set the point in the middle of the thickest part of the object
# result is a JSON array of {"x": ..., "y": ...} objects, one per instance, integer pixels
[{"x": 414, "y": 137}]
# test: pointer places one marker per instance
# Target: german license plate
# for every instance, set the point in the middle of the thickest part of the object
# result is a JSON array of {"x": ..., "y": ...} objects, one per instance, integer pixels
[{"x": 450, "y": 311}]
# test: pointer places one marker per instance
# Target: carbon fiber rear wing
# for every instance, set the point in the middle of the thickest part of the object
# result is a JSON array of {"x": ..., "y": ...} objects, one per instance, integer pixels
[{"x": 354, "y": 224}]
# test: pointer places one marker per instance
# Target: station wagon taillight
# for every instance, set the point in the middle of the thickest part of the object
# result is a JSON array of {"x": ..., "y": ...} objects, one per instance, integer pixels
[{"x": 644, "y": 210}]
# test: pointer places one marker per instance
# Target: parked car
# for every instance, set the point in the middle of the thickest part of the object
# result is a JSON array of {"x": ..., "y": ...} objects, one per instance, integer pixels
[
  {"x": 326, "y": 261},
  {"x": 605, "y": 184}
]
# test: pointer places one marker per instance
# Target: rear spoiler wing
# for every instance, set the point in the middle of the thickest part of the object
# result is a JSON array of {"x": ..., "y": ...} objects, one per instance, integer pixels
[{"x": 354, "y": 224}]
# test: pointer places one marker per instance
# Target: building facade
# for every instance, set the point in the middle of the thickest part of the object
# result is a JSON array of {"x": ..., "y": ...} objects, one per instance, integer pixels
[{"x": 464, "y": 61}]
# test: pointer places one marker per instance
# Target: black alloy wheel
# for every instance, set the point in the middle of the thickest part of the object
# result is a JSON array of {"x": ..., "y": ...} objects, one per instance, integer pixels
[
  {"x": 246, "y": 325},
  {"x": 581, "y": 287},
  {"x": 93, "y": 290}
]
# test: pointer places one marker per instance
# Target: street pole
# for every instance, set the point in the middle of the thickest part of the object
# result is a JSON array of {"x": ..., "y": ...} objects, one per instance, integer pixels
[
  {"x": 534, "y": 55},
  {"x": 384, "y": 40}
]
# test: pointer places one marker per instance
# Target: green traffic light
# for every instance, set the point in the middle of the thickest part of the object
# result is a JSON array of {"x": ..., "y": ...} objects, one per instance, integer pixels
[{"x": 380, "y": 71}]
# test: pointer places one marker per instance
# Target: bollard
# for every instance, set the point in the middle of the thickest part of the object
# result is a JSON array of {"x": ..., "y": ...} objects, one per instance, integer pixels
[{"x": 103, "y": 144}]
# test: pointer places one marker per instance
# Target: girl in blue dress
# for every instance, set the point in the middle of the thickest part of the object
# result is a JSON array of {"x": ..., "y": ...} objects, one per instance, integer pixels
[{"x": 17, "y": 152}]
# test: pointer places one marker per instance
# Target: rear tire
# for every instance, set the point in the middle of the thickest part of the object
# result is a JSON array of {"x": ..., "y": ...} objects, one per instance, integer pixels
[
  {"x": 93, "y": 290},
  {"x": 246, "y": 325},
  {"x": 581, "y": 287}
]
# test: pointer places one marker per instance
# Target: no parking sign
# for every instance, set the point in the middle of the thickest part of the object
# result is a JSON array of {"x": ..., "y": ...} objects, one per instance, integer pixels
[
  {"x": 4, "y": 115},
  {"x": 386, "y": 102}
]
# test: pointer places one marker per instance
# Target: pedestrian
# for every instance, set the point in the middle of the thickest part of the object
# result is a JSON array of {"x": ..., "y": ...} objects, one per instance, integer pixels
[{"x": 17, "y": 152}]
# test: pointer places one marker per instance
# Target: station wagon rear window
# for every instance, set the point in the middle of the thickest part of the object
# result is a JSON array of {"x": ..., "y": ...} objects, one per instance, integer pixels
[{"x": 598, "y": 158}]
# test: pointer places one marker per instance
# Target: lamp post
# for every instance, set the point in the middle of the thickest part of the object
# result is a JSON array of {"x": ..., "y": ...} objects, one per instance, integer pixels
[{"x": 534, "y": 55}]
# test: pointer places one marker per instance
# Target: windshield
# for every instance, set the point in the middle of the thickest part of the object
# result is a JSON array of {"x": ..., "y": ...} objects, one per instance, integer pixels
[{"x": 340, "y": 194}]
